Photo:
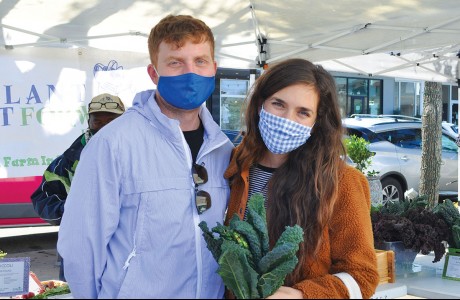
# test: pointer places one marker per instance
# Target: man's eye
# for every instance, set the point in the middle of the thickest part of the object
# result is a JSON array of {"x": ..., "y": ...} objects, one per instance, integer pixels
[{"x": 201, "y": 61}]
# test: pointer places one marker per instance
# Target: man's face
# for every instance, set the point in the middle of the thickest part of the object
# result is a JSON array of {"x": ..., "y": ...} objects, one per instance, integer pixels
[
  {"x": 190, "y": 58},
  {"x": 97, "y": 120}
]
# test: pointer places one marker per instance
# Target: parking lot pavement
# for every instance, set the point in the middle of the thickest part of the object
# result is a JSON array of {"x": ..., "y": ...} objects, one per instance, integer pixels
[
  {"x": 42, "y": 262},
  {"x": 38, "y": 243}
]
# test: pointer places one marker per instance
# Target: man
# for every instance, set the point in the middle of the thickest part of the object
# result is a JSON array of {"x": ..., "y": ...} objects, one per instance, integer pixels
[
  {"x": 144, "y": 184},
  {"x": 49, "y": 198}
]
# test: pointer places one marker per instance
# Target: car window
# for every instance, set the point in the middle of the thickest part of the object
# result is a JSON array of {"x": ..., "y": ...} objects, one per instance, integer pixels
[
  {"x": 448, "y": 144},
  {"x": 358, "y": 133},
  {"x": 362, "y": 132},
  {"x": 405, "y": 138}
]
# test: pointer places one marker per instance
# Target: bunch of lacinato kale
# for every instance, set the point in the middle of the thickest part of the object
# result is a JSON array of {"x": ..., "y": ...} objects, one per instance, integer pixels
[{"x": 248, "y": 268}]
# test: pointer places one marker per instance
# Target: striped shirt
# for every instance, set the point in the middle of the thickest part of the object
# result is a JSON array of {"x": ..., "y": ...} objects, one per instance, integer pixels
[{"x": 258, "y": 181}]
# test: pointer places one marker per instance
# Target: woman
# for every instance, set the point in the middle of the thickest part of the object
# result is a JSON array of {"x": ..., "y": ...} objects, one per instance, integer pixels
[{"x": 292, "y": 153}]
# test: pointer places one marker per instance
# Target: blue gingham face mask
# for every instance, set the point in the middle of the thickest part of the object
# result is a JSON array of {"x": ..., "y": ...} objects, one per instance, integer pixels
[{"x": 282, "y": 135}]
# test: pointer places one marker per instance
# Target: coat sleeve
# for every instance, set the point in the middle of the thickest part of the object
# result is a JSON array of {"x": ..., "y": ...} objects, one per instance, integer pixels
[
  {"x": 49, "y": 198},
  {"x": 351, "y": 243},
  {"x": 90, "y": 219}
]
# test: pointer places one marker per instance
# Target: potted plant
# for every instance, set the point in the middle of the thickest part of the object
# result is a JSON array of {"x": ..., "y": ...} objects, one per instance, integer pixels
[
  {"x": 358, "y": 151},
  {"x": 409, "y": 227},
  {"x": 451, "y": 215}
]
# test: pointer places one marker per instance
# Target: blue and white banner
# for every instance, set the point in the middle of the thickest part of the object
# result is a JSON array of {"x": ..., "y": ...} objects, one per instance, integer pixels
[{"x": 44, "y": 93}]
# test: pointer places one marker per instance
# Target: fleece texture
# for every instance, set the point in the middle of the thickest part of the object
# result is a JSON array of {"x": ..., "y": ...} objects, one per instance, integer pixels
[{"x": 347, "y": 241}]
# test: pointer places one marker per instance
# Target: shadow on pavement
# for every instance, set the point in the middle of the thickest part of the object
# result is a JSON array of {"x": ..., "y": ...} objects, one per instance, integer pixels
[{"x": 41, "y": 248}]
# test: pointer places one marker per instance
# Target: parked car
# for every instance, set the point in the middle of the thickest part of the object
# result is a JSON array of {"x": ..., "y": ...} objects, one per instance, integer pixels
[
  {"x": 397, "y": 144},
  {"x": 450, "y": 128},
  {"x": 16, "y": 208},
  {"x": 234, "y": 136}
]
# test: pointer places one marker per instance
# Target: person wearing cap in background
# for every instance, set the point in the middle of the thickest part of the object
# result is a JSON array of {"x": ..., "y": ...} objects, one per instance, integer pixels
[{"x": 49, "y": 198}]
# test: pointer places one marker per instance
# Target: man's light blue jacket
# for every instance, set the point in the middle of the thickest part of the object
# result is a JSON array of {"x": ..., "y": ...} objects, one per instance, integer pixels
[{"x": 130, "y": 224}]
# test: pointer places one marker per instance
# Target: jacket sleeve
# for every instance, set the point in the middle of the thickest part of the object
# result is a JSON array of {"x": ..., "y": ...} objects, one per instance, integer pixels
[
  {"x": 351, "y": 243},
  {"x": 92, "y": 213},
  {"x": 49, "y": 198}
]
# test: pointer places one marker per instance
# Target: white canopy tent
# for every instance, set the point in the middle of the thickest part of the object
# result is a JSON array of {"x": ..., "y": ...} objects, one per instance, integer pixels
[{"x": 420, "y": 38}]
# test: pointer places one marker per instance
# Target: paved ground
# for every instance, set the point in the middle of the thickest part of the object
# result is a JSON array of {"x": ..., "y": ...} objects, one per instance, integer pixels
[{"x": 38, "y": 243}]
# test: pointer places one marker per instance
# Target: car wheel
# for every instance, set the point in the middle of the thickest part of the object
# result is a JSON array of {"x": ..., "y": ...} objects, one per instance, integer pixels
[{"x": 392, "y": 190}]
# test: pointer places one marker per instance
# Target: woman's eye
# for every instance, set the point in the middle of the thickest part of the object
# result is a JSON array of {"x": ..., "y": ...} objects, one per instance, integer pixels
[{"x": 304, "y": 113}]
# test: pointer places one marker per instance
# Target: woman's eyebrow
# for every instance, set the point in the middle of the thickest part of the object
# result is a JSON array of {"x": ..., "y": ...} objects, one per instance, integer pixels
[
  {"x": 277, "y": 99},
  {"x": 284, "y": 102}
]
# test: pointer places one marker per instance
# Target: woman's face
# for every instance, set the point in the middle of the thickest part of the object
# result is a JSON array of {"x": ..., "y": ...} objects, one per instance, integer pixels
[{"x": 298, "y": 103}]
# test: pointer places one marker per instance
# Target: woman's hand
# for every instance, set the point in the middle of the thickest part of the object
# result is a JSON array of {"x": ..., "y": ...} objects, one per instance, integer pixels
[{"x": 285, "y": 292}]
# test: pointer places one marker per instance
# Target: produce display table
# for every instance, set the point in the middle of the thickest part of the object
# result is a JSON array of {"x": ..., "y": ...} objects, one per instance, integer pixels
[
  {"x": 390, "y": 291},
  {"x": 426, "y": 281}
]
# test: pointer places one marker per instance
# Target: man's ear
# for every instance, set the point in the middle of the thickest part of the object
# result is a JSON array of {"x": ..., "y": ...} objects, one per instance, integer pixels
[{"x": 152, "y": 73}]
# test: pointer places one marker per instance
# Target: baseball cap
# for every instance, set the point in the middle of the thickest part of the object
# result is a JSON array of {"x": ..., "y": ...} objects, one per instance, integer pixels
[{"x": 106, "y": 102}]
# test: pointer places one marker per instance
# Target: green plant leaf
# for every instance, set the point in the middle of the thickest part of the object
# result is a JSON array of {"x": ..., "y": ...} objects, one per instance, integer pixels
[
  {"x": 212, "y": 243},
  {"x": 270, "y": 282},
  {"x": 251, "y": 236},
  {"x": 456, "y": 236},
  {"x": 245, "y": 247},
  {"x": 236, "y": 272},
  {"x": 277, "y": 256},
  {"x": 257, "y": 217},
  {"x": 358, "y": 150}
]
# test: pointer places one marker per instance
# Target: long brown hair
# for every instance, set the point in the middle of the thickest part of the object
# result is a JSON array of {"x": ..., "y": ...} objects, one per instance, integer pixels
[{"x": 304, "y": 189}]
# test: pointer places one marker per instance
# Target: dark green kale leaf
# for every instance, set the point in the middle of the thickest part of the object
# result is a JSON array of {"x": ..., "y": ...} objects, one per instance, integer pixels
[
  {"x": 247, "y": 266},
  {"x": 236, "y": 272}
]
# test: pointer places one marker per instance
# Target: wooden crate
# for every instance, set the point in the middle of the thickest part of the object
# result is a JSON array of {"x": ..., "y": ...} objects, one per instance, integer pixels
[{"x": 386, "y": 265}]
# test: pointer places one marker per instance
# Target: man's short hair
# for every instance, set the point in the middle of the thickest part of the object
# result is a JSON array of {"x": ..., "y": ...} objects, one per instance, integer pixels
[
  {"x": 106, "y": 103},
  {"x": 177, "y": 30}
]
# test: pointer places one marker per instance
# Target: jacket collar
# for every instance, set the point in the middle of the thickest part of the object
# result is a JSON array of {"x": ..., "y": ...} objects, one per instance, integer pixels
[{"x": 145, "y": 104}]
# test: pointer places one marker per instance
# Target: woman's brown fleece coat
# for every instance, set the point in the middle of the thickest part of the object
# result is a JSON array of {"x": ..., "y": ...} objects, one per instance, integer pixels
[{"x": 347, "y": 241}]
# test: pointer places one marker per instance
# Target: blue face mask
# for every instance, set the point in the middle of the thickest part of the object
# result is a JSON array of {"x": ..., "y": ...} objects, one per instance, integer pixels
[{"x": 186, "y": 91}]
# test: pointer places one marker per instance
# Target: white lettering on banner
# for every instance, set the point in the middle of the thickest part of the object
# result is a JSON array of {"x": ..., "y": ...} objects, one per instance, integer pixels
[{"x": 44, "y": 95}]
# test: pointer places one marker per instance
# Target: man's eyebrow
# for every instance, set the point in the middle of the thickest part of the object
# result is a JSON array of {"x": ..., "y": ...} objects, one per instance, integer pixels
[
  {"x": 172, "y": 57},
  {"x": 204, "y": 56}
]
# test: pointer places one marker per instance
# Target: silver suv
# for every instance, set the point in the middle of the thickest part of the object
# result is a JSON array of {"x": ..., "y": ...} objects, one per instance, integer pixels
[{"x": 397, "y": 144}]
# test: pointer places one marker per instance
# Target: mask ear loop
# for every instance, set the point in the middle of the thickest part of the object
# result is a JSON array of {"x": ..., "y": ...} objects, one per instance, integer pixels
[{"x": 155, "y": 69}]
